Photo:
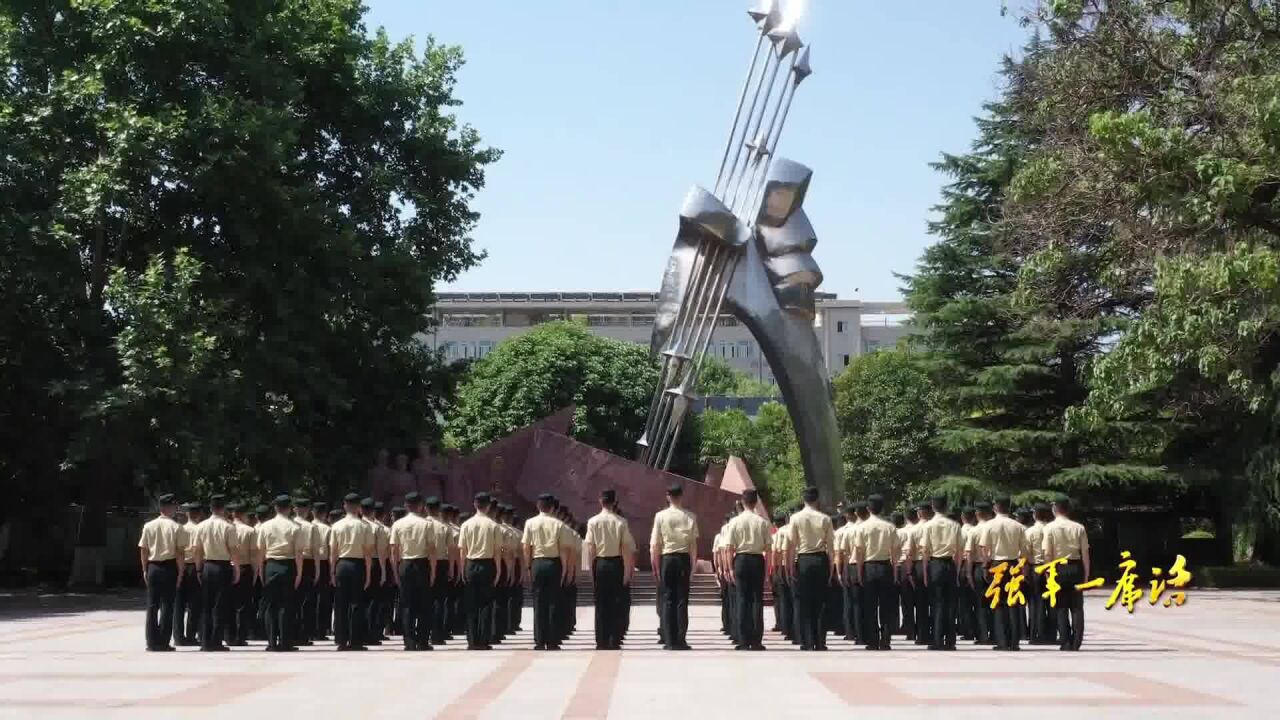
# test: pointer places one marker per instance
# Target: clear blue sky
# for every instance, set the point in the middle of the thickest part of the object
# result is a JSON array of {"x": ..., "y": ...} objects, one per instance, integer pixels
[{"x": 609, "y": 110}]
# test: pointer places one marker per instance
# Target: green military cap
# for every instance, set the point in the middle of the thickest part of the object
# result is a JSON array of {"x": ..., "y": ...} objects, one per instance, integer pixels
[
  {"x": 283, "y": 501},
  {"x": 218, "y": 500},
  {"x": 335, "y": 514},
  {"x": 412, "y": 496},
  {"x": 302, "y": 501},
  {"x": 433, "y": 501},
  {"x": 377, "y": 505},
  {"x": 262, "y": 510},
  {"x": 351, "y": 498},
  {"x": 167, "y": 498},
  {"x": 367, "y": 503},
  {"x": 320, "y": 506},
  {"x": 235, "y": 506}
]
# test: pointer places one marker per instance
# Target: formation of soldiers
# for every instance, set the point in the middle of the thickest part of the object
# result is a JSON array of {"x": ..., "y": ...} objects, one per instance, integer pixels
[
  {"x": 298, "y": 573},
  {"x": 926, "y": 574}
]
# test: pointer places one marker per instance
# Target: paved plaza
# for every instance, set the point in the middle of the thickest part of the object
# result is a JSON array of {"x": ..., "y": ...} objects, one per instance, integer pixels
[{"x": 1217, "y": 656}]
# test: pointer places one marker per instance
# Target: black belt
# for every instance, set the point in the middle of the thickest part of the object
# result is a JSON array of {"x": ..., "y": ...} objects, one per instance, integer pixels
[
  {"x": 359, "y": 560},
  {"x": 874, "y": 562},
  {"x": 608, "y": 557},
  {"x": 810, "y": 554},
  {"x": 163, "y": 562},
  {"x": 411, "y": 560},
  {"x": 481, "y": 560},
  {"x": 220, "y": 562},
  {"x": 281, "y": 560},
  {"x": 676, "y": 554},
  {"x": 757, "y": 554},
  {"x": 942, "y": 559}
]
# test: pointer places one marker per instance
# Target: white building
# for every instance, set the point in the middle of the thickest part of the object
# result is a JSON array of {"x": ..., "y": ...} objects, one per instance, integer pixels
[{"x": 470, "y": 325}]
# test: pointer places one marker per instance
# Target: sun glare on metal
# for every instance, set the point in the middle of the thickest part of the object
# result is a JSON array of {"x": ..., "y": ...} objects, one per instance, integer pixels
[{"x": 792, "y": 13}]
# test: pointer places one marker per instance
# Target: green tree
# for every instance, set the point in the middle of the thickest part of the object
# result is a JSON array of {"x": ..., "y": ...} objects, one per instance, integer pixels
[
  {"x": 887, "y": 410},
  {"x": 1010, "y": 332},
  {"x": 530, "y": 376},
  {"x": 222, "y": 224},
  {"x": 717, "y": 377}
]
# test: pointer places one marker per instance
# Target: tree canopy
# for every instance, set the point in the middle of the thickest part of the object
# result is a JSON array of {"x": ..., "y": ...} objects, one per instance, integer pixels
[{"x": 222, "y": 224}]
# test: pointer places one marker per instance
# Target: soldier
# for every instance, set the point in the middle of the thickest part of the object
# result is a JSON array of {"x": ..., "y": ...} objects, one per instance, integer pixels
[
  {"x": 779, "y": 574},
  {"x": 545, "y": 558},
  {"x": 745, "y": 544},
  {"x": 509, "y": 549},
  {"x": 305, "y": 599},
  {"x": 626, "y": 588},
  {"x": 441, "y": 578},
  {"x": 846, "y": 570},
  {"x": 218, "y": 566},
  {"x": 240, "y": 621},
  {"x": 159, "y": 549},
  {"x": 1026, "y": 519},
  {"x": 414, "y": 549},
  {"x": 515, "y": 597},
  {"x": 924, "y": 620},
  {"x": 719, "y": 566},
  {"x": 815, "y": 540},
  {"x": 943, "y": 549},
  {"x": 1066, "y": 538},
  {"x": 1041, "y": 622},
  {"x": 906, "y": 584},
  {"x": 480, "y": 542},
  {"x": 966, "y": 612},
  {"x": 457, "y": 621},
  {"x": 187, "y": 608},
  {"x": 393, "y": 588},
  {"x": 611, "y": 555},
  {"x": 260, "y": 514},
  {"x": 385, "y": 593},
  {"x": 279, "y": 557},
  {"x": 875, "y": 542},
  {"x": 351, "y": 547},
  {"x": 1003, "y": 540},
  {"x": 372, "y": 599},
  {"x": 977, "y": 573},
  {"x": 323, "y": 616},
  {"x": 673, "y": 552}
]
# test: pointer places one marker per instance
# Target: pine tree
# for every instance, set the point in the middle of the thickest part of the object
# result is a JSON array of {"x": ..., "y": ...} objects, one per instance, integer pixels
[{"x": 1007, "y": 342}]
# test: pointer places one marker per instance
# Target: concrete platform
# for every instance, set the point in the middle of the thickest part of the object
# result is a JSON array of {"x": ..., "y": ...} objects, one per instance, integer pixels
[{"x": 1218, "y": 656}]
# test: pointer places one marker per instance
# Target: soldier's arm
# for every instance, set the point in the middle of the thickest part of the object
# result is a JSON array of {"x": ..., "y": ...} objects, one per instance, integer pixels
[
  {"x": 143, "y": 554},
  {"x": 655, "y": 548},
  {"x": 298, "y": 540},
  {"x": 1084, "y": 554}
]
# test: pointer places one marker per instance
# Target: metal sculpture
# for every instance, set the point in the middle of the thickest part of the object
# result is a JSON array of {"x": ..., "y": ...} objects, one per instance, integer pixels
[{"x": 746, "y": 248}]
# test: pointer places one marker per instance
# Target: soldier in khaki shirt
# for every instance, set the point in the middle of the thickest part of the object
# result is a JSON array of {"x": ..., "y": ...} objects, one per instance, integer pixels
[
  {"x": 515, "y": 574},
  {"x": 847, "y": 571},
  {"x": 966, "y": 599},
  {"x": 673, "y": 552},
  {"x": 915, "y": 552},
  {"x": 942, "y": 547},
  {"x": 324, "y": 573},
  {"x": 876, "y": 549},
  {"x": 746, "y": 543},
  {"x": 216, "y": 563},
  {"x": 188, "y": 608},
  {"x": 240, "y": 623},
  {"x": 159, "y": 550},
  {"x": 906, "y": 590},
  {"x": 1040, "y": 622},
  {"x": 815, "y": 541},
  {"x": 441, "y": 586},
  {"x": 977, "y": 572},
  {"x": 779, "y": 575},
  {"x": 480, "y": 542},
  {"x": 1003, "y": 540},
  {"x": 414, "y": 549},
  {"x": 546, "y": 553},
  {"x": 611, "y": 553},
  {"x": 351, "y": 547},
  {"x": 1066, "y": 538},
  {"x": 306, "y": 600},
  {"x": 279, "y": 557}
]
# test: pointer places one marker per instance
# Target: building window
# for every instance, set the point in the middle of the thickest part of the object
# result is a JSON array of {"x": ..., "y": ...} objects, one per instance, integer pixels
[
  {"x": 873, "y": 345},
  {"x": 727, "y": 321},
  {"x": 484, "y": 347},
  {"x": 840, "y": 326},
  {"x": 846, "y": 360},
  {"x": 642, "y": 320},
  {"x": 471, "y": 319}
]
